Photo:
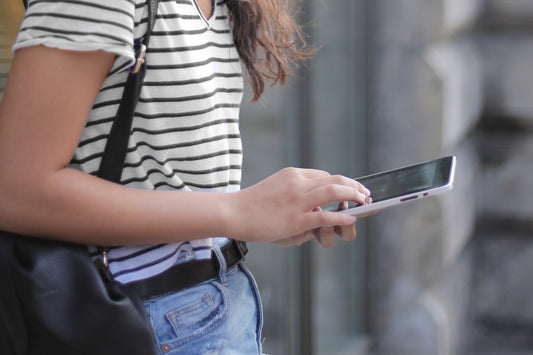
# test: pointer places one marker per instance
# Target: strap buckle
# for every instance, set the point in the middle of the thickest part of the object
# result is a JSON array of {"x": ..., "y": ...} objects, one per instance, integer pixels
[
  {"x": 105, "y": 259},
  {"x": 140, "y": 60}
]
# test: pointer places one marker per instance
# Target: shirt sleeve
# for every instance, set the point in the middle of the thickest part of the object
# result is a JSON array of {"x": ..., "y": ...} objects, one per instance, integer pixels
[{"x": 81, "y": 25}]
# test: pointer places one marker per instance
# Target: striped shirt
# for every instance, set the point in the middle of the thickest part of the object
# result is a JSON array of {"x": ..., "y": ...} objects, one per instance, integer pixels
[{"x": 185, "y": 133}]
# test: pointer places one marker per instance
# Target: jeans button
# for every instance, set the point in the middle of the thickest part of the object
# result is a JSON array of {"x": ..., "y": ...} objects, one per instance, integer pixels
[{"x": 165, "y": 348}]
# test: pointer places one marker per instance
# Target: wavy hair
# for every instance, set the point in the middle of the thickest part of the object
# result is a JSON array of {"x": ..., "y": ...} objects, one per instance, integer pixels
[{"x": 269, "y": 41}]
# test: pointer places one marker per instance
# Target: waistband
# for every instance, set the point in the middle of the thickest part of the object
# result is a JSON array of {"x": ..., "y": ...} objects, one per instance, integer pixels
[{"x": 189, "y": 274}]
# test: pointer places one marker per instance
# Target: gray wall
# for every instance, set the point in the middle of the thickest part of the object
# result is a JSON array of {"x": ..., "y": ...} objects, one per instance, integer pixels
[{"x": 453, "y": 275}]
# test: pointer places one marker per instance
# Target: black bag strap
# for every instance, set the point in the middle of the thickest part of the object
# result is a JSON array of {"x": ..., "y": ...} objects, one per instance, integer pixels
[
  {"x": 117, "y": 144},
  {"x": 116, "y": 147}
]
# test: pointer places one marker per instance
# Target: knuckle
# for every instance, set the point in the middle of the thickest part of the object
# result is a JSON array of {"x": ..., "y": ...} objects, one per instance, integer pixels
[
  {"x": 322, "y": 219},
  {"x": 292, "y": 175},
  {"x": 332, "y": 190},
  {"x": 290, "y": 170},
  {"x": 338, "y": 179}
]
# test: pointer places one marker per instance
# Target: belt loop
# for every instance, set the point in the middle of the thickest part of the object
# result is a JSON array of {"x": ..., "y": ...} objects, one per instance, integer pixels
[
  {"x": 242, "y": 248},
  {"x": 222, "y": 267}
]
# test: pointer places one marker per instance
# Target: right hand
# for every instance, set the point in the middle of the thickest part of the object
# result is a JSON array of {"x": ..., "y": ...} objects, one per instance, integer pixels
[{"x": 285, "y": 207}]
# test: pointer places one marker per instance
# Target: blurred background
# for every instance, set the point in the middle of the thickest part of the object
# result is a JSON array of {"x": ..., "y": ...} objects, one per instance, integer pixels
[{"x": 397, "y": 82}]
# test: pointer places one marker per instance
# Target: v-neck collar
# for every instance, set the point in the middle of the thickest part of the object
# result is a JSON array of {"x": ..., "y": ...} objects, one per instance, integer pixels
[{"x": 207, "y": 21}]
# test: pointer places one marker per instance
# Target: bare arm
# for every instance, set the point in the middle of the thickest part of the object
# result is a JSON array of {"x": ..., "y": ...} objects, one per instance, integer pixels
[{"x": 47, "y": 98}]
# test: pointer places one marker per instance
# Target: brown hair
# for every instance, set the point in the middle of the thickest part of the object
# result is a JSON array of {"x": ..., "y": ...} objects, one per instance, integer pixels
[{"x": 268, "y": 40}]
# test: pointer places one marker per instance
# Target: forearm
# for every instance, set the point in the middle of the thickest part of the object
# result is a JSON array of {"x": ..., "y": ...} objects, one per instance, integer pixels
[{"x": 70, "y": 205}]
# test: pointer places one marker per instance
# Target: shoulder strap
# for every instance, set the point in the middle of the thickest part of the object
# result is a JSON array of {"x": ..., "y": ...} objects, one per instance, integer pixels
[{"x": 117, "y": 144}]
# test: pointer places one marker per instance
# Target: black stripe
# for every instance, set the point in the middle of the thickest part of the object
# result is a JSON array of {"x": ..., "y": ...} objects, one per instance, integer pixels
[
  {"x": 177, "y": 82},
  {"x": 106, "y": 103},
  {"x": 178, "y": 33},
  {"x": 184, "y": 144},
  {"x": 84, "y": 3},
  {"x": 182, "y": 2},
  {"x": 47, "y": 36},
  {"x": 163, "y": 131},
  {"x": 136, "y": 254},
  {"x": 192, "y": 81},
  {"x": 92, "y": 140},
  {"x": 188, "y": 32},
  {"x": 154, "y": 262},
  {"x": 191, "y": 48},
  {"x": 186, "y": 129},
  {"x": 185, "y": 114},
  {"x": 199, "y": 186},
  {"x": 191, "y": 98},
  {"x": 175, "y": 187},
  {"x": 177, "y": 159},
  {"x": 178, "y": 16},
  {"x": 172, "y": 146},
  {"x": 179, "y": 171},
  {"x": 202, "y": 248},
  {"x": 183, "y": 159},
  {"x": 86, "y": 159},
  {"x": 100, "y": 121},
  {"x": 193, "y": 64},
  {"x": 172, "y": 99},
  {"x": 80, "y": 18},
  {"x": 77, "y": 33},
  {"x": 166, "y": 115},
  {"x": 114, "y": 86},
  {"x": 119, "y": 68}
]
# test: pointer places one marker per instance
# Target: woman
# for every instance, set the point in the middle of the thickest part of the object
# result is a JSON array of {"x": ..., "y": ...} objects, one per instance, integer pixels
[{"x": 179, "y": 200}]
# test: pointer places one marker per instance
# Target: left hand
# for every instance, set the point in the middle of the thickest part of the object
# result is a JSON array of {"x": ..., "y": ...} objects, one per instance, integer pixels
[{"x": 324, "y": 235}]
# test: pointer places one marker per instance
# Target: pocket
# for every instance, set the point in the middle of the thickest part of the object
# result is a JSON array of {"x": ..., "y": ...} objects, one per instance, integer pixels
[{"x": 188, "y": 315}]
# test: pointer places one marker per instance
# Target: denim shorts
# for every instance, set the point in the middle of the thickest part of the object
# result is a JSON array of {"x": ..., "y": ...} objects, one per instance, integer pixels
[{"x": 221, "y": 316}]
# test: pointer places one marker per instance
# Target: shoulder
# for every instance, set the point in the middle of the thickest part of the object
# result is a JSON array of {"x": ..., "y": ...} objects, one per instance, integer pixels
[{"x": 80, "y": 25}]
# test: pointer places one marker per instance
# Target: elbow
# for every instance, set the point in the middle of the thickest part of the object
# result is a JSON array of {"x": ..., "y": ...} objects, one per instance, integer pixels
[{"x": 15, "y": 202}]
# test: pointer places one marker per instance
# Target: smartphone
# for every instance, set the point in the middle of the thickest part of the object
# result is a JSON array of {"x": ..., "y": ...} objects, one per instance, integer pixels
[{"x": 410, "y": 183}]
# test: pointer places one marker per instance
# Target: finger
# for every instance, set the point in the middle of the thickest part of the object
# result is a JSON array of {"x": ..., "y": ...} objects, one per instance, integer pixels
[
  {"x": 298, "y": 239},
  {"x": 343, "y": 205},
  {"x": 312, "y": 220},
  {"x": 337, "y": 180},
  {"x": 326, "y": 236},
  {"x": 313, "y": 173},
  {"x": 346, "y": 233},
  {"x": 327, "y": 193}
]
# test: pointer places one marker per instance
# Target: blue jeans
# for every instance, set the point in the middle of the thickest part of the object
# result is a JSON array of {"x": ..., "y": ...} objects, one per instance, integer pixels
[{"x": 221, "y": 316}]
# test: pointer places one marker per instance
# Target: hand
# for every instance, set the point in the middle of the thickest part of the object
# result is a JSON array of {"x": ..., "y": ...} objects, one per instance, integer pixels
[
  {"x": 324, "y": 235},
  {"x": 284, "y": 208}
]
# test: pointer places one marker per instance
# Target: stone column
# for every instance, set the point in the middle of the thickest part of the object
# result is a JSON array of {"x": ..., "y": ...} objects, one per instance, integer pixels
[{"x": 425, "y": 98}]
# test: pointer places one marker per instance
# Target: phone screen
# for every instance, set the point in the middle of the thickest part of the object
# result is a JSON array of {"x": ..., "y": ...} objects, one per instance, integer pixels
[{"x": 407, "y": 180}]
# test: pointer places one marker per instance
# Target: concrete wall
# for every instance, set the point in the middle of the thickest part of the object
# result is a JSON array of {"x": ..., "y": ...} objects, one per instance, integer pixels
[{"x": 452, "y": 275}]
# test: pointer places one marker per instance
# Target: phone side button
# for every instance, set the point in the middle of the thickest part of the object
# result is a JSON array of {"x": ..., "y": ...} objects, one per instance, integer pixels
[{"x": 408, "y": 198}]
